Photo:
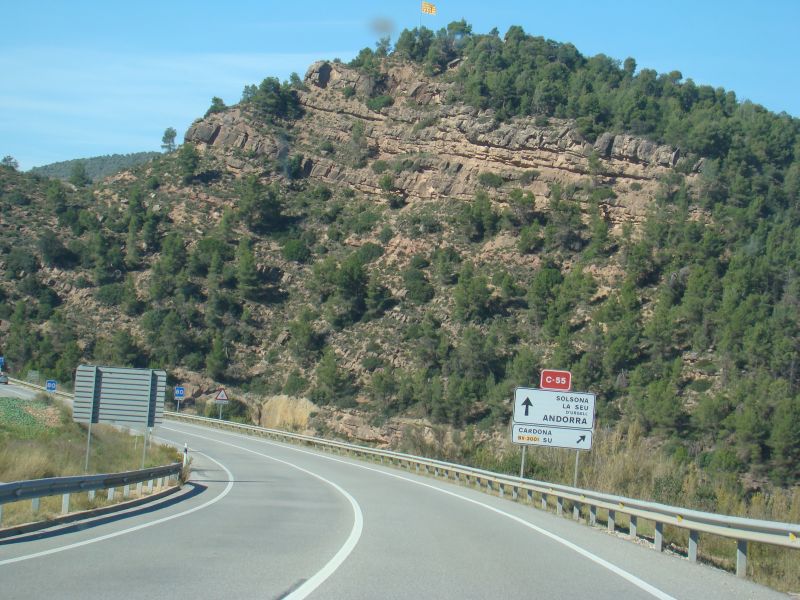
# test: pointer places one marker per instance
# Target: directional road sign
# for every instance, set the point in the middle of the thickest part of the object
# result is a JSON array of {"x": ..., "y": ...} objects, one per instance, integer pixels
[
  {"x": 221, "y": 397},
  {"x": 554, "y": 409},
  {"x": 2, "y": 361},
  {"x": 551, "y": 379},
  {"x": 180, "y": 392},
  {"x": 50, "y": 385},
  {"x": 556, "y": 437},
  {"x": 119, "y": 395}
]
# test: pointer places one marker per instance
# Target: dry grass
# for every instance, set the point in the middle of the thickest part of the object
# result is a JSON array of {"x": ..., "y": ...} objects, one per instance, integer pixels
[
  {"x": 39, "y": 439},
  {"x": 284, "y": 412}
]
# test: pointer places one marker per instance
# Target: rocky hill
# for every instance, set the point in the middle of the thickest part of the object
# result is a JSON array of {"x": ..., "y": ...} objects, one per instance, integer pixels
[{"x": 362, "y": 253}]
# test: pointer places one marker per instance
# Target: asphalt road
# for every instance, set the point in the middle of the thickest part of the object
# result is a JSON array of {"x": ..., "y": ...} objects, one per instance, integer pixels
[
  {"x": 267, "y": 520},
  {"x": 16, "y": 391}
]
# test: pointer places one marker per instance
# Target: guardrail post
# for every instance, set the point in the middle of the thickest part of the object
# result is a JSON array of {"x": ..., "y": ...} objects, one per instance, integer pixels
[
  {"x": 514, "y": 492},
  {"x": 634, "y": 525},
  {"x": 126, "y": 490},
  {"x": 502, "y": 489},
  {"x": 488, "y": 485},
  {"x": 592, "y": 514},
  {"x": 659, "y": 537},
  {"x": 417, "y": 466},
  {"x": 139, "y": 489},
  {"x": 150, "y": 486},
  {"x": 544, "y": 501},
  {"x": 35, "y": 505},
  {"x": 90, "y": 495},
  {"x": 693, "y": 536},
  {"x": 110, "y": 494},
  {"x": 576, "y": 511},
  {"x": 741, "y": 558},
  {"x": 559, "y": 505},
  {"x": 64, "y": 504},
  {"x": 529, "y": 494},
  {"x": 612, "y": 515}
]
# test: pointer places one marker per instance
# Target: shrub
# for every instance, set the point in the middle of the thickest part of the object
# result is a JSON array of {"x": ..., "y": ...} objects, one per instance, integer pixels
[
  {"x": 296, "y": 250},
  {"x": 386, "y": 182},
  {"x": 379, "y": 102},
  {"x": 492, "y": 180},
  {"x": 111, "y": 294}
]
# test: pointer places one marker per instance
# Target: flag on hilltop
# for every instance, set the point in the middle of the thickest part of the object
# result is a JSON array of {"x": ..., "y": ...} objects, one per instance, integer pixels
[{"x": 428, "y": 8}]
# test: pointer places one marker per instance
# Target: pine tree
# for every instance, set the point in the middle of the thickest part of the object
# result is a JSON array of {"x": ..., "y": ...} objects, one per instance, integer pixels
[
  {"x": 246, "y": 272},
  {"x": 216, "y": 361}
]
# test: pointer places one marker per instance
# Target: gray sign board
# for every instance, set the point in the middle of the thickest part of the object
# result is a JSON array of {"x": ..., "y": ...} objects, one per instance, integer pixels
[{"x": 119, "y": 395}]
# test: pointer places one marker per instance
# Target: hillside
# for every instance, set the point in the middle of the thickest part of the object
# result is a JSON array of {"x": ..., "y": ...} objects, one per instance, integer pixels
[
  {"x": 95, "y": 167},
  {"x": 401, "y": 241}
]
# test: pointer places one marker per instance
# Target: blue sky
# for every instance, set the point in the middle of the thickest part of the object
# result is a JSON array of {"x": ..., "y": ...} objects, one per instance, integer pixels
[{"x": 80, "y": 79}]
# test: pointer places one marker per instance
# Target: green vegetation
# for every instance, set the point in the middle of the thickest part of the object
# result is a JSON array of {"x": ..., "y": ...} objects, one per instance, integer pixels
[
  {"x": 39, "y": 439},
  {"x": 684, "y": 323},
  {"x": 96, "y": 167}
]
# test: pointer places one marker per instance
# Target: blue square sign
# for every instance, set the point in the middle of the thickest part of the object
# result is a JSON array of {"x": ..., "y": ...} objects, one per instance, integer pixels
[
  {"x": 180, "y": 392},
  {"x": 50, "y": 385}
]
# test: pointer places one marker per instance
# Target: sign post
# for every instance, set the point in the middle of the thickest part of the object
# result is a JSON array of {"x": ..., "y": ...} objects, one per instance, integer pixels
[
  {"x": 180, "y": 393},
  {"x": 118, "y": 396},
  {"x": 554, "y": 416},
  {"x": 220, "y": 400}
]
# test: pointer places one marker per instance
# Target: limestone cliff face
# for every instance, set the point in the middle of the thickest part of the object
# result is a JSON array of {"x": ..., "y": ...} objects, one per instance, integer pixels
[{"x": 450, "y": 145}]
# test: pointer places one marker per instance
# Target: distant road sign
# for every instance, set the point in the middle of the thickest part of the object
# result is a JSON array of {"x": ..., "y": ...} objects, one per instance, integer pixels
[
  {"x": 50, "y": 385},
  {"x": 554, "y": 409},
  {"x": 556, "y": 437},
  {"x": 2, "y": 361},
  {"x": 180, "y": 392},
  {"x": 221, "y": 398},
  {"x": 552, "y": 379}
]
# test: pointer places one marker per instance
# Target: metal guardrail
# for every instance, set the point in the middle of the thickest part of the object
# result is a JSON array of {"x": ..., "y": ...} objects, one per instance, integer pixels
[
  {"x": 743, "y": 530},
  {"x": 40, "y": 388},
  {"x": 36, "y": 489}
]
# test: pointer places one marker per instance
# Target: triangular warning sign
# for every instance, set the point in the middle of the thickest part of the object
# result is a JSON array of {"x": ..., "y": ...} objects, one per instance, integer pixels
[{"x": 221, "y": 395}]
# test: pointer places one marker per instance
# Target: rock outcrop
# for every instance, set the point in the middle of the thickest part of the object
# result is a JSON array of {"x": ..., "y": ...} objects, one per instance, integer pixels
[{"x": 445, "y": 147}]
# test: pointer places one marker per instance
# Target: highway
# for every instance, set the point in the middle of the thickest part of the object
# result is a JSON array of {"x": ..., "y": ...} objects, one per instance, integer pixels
[{"x": 261, "y": 519}]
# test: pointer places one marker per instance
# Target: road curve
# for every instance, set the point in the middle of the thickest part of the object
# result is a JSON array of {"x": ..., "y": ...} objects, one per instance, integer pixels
[{"x": 267, "y": 520}]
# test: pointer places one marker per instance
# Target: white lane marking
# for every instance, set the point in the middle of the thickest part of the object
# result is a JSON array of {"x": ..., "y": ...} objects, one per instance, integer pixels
[
  {"x": 334, "y": 563},
  {"x": 630, "y": 577},
  {"x": 108, "y": 536}
]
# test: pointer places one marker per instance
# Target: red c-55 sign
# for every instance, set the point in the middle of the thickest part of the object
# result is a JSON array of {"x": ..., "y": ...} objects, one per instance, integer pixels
[{"x": 555, "y": 380}]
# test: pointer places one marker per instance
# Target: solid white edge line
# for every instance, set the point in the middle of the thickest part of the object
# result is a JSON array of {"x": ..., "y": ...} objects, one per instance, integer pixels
[
  {"x": 630, "y": 577},
  {"x": 108, "y": 536},
  {"x": 313, "y": 582}
]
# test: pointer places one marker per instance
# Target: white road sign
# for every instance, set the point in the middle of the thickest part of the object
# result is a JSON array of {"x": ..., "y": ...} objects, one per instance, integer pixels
[
  {"x": 554, "y": 409},
  {"x": 536, "y": 435}
]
